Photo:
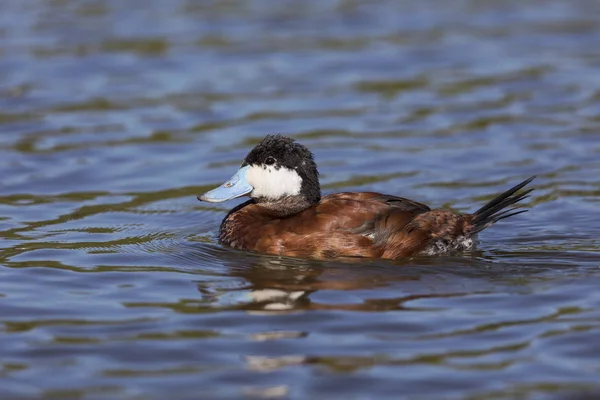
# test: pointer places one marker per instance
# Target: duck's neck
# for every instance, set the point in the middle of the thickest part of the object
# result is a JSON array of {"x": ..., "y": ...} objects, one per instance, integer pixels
[{"x": 284, "y": 207}]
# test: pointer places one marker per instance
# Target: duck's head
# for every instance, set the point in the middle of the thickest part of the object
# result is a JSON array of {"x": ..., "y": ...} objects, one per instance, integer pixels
[{"x": 278, "y": 173}]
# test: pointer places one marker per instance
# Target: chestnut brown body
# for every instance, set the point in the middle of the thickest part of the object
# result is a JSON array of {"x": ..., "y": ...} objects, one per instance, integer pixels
[{"x": 363, "y": 224}]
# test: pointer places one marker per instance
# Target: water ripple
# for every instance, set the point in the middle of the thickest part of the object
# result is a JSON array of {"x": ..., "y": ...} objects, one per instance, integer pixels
[{"x": 117, "y": 114}]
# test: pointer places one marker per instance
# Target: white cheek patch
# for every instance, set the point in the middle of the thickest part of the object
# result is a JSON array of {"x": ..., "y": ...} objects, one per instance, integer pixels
[{"x": 273, "y": 183}]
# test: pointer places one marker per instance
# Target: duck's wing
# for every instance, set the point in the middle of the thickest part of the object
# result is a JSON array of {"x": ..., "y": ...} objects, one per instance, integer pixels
[
  {"x": 341, "y": 225},
  {"x": 396, "y": 202},
  {"x": 403, "y": 204},
  {"x": 401, "y": 227},
  {"x": 397, "y": 229}
]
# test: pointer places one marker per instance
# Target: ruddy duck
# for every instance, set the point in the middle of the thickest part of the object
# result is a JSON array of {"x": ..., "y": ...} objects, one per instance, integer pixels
[{"x": 287, "y": 216}]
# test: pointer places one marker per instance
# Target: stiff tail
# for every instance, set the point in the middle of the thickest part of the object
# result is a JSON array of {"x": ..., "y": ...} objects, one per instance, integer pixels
[{"x": 494, "y": 211}]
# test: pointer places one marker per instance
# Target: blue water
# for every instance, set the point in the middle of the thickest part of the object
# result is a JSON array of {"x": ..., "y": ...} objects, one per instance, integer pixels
[{"x": 114, "y": 115}]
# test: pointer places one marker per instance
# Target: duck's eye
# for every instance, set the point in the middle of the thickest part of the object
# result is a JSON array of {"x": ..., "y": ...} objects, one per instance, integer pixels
[{"x": 270, "y": 161}]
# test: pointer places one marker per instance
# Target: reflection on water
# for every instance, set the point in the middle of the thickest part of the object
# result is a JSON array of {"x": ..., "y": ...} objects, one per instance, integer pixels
[{"x": 115, "y": 115}]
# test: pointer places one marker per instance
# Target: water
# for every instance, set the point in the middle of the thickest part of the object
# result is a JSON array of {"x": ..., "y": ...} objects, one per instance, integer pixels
[{"x": 114, "y": 115}]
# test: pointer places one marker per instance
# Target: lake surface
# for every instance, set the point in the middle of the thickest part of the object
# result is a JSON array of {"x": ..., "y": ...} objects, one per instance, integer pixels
[{"x": 115, "y": 114}]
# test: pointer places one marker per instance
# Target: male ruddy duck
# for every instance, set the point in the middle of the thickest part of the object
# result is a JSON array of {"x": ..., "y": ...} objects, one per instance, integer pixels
[{"x": 287, "y": 216}]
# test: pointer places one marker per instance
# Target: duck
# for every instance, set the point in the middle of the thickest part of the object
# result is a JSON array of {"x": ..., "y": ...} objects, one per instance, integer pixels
[{"x": 287, "y": 216}]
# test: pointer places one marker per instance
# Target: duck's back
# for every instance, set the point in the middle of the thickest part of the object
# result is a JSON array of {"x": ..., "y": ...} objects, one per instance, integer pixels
[{"x": 363, "y": 224}]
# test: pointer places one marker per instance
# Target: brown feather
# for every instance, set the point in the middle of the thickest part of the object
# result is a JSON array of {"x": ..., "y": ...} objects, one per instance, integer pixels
[
  {"x": 341, "y": 225},
  {"x": 363, "y": 224}
]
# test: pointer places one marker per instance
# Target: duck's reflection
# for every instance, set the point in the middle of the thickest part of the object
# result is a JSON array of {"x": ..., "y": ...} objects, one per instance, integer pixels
[
  {"x": 284, "y": 285},
  {"x": 258, "y": 283}
]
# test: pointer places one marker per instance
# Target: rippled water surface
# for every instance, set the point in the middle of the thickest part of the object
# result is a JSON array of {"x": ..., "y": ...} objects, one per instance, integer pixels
[{"x": 115, "y": 114}]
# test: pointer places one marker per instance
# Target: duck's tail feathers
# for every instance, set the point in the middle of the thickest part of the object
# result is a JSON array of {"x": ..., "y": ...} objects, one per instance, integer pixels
[{"x": 494, "y": 211}]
